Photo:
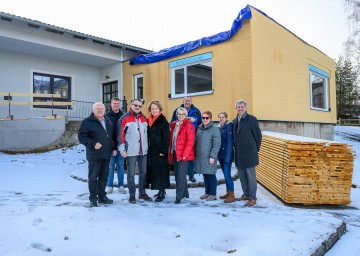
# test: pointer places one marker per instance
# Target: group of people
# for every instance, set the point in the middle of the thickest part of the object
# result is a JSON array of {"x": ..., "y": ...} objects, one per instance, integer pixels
[{"x": 192, "y": 142}]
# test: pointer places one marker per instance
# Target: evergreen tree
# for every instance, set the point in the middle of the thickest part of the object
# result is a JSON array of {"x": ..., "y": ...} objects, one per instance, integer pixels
[{"x": 347, "y": 92}]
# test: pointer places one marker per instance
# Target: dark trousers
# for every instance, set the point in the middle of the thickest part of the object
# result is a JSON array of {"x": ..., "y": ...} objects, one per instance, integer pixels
[
  {"x": 131, "y": 163},
  {"x": 210, "y": 182},
  {"x": 97, "y": 178},
  {"x": 181, "y": 169}
]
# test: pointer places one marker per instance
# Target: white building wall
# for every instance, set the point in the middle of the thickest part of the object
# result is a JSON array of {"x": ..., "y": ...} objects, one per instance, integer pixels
[{"x": 16, "y": 76}]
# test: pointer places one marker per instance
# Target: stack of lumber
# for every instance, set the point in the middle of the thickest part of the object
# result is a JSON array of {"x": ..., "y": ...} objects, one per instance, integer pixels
[{"x": 305, "y": 170}]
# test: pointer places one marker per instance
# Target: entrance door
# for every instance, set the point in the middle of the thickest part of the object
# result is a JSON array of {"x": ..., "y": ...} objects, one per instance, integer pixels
[{"x": 110, "y": 90}]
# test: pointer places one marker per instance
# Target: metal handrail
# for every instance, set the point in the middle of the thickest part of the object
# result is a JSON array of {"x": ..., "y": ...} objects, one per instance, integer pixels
[{"x": 82, "y": 109}]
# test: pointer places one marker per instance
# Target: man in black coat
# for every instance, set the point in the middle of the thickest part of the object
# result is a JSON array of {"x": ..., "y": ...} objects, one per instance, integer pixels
[
  {"x": 247, "y": 141},
  {"x": 96, "y": 134}
]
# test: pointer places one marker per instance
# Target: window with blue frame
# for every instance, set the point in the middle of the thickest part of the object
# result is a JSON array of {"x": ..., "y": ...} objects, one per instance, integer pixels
[
  {"x": 319, "y": 96},
  {"x": 191, "y": 76}
]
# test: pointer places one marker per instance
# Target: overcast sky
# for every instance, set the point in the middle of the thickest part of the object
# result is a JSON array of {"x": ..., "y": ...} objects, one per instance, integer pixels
[{"x": 158, "y": 24}]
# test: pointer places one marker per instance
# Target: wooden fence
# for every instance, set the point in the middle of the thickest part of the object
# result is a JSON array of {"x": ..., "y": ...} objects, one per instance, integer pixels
[{"x": 9, "y": 102}]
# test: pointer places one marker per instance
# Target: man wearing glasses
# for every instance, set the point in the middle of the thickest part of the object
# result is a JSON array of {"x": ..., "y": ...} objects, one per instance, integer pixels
[{"x": 133, "y": 144}]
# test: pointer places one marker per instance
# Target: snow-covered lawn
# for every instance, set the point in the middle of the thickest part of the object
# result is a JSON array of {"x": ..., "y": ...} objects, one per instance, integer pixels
[{"x": 43, "y": 210}]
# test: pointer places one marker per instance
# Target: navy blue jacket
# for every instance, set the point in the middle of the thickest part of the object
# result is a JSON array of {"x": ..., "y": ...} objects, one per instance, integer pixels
[
  {"x": 247, "y": 141},
  {"x": 227, "y": 141},
  {"x": 92, "y": 131},
  {"x": 193, "y": 112}
]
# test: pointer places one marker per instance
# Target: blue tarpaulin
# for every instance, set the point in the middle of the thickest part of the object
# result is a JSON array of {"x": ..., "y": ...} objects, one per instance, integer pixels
[{"x": 193, "y": 45}]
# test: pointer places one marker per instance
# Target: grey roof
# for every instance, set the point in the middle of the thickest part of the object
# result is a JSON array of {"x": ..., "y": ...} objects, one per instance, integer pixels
[{"x": 60, "y": 30}]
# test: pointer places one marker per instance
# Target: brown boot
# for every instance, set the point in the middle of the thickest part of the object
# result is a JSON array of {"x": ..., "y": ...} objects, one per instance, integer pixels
[
  {"x": 225, "y": 196},
  {"x": 230, "y": 198}
]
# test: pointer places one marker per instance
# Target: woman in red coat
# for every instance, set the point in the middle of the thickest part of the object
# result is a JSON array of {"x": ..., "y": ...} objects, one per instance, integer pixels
[{"x": 181, "y": 151}]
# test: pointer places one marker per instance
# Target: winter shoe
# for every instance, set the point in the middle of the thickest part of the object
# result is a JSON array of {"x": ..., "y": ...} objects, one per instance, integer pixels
[
  {"x": 105, "y": 200},
  {"x": 145, "y": 197},
  {"x": 204, "y": 196},
  {"x": 122, "y": 190},
  {"x": 132, "y": 199},
  {"x": 242, "y": 198},
  {"x": 177, "y": 201},
  {"x": 161, "y": 195},
  {"x": 192, "y": 179},
  {"x": 225, "y": 196},
  {"x": 251, "y": 202},
  {"x": 93, "y": 204},
  {"x": 211, "y": 198},
  {"x": 230, "y": 198},
  {"x": 109, "y": 190}
]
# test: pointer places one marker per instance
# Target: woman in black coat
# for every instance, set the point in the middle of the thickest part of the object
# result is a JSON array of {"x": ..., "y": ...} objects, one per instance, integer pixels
[{"x": 159, "y": 139}]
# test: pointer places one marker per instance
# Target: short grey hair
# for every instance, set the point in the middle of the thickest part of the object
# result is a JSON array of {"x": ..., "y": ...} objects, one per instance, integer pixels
[
  {"x": 183, "y": 110},
  {"x": 98, "y": 103},
  {"x": 238, "y": 102}
]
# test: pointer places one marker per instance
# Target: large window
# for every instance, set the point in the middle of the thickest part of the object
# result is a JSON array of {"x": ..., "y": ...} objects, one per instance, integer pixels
[
  {"x": 51, "y": 84},
  {"x": 318, "y": 89},
  {"x": 191, "y": 76}
]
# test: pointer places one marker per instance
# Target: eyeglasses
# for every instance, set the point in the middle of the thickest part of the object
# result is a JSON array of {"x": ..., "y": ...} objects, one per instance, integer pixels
[
  {"x": 205, "y": 117},
  {"x": 137, "y": 106},
  {"x": 181, "y": 114}
]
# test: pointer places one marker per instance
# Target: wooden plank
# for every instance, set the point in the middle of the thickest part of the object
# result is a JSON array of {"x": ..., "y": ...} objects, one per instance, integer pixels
[
  {"x": 15, "y": 118},
  {"x": 46, "y": 103},
  {"x": 53, "y": 117},
  {"x": 306, "y": 172},
  {"x": 37, "y": 95}
]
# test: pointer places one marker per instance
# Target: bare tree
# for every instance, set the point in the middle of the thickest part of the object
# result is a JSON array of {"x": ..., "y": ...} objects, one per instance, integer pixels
[{"x": 352, "y": 44}]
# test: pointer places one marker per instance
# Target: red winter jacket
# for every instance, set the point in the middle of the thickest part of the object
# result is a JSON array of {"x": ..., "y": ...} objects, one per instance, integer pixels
[{"x": 185, "y": 141}]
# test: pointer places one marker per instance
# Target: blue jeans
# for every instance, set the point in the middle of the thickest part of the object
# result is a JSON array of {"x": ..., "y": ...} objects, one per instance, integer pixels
[
  {"x": 226, "y": 168},
  {"x": 119, "y": 160},
  {"x": 191, "y": 169},
  {"x": 210, "y": 184}
]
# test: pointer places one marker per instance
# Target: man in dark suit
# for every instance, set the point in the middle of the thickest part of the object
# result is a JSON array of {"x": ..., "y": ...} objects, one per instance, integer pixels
[{"x": 247, "y": 141}]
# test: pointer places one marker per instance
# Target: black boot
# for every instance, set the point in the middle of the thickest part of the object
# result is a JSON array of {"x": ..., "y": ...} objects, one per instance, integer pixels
[{"x": 161, "y": 195}]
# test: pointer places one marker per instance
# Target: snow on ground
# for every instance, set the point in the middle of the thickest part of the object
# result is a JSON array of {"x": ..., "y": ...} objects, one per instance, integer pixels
[{"x": 44, "y": 210}]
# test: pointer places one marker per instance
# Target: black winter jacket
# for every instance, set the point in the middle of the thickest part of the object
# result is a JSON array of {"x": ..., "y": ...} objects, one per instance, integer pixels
[
  {"x": 247, "y": 141},
  {"x": 92, "y": 131},
  {"x": 114, "y": 118}
]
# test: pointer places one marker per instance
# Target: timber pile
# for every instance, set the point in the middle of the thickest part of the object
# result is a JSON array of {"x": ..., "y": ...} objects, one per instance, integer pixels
[{"x": 305, "y": 170}]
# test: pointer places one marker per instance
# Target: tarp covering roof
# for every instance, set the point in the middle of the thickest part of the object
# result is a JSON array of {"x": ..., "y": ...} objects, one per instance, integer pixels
[{"x": 177, "y": 50}]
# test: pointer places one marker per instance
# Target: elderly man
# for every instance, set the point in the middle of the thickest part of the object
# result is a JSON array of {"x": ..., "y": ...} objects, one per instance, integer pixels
[
  {"x": 247, "y": 141},
  {"x": 95, "y": 134},
  {"x": 133, "y": 144},
  {"x": 194, "y": 115}
]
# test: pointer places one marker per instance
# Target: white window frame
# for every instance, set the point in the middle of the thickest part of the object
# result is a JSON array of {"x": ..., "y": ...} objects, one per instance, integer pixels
[
  {"x": 207, "y": 57},
  {"x": 313, "y": 71},
  {"x": 136, "y": 77}
]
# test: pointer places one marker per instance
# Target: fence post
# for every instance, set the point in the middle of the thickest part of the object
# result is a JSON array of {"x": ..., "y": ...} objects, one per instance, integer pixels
[{"x": 124, "y": 105}]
